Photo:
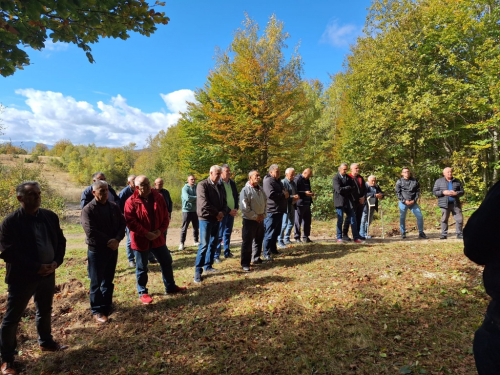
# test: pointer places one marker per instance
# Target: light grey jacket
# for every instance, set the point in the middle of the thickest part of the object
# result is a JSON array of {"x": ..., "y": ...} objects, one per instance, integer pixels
[{"x": 253, "y": 202}]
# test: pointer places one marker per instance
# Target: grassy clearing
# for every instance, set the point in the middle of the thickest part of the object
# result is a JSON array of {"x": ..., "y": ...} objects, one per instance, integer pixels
[{"x": 386, "y": 307}]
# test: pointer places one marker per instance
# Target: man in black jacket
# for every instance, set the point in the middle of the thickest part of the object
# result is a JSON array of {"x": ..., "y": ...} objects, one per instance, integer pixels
[
  {"x": 277, "y": 197},
  {"x": 408, "y": 192},
  {"x": 33, "y": 246},
  {"x": 359, "y": 196},
  {"x": 449, "y": 190},
  {"x": 303, "y": 215},
  {"x": 343, "y": 198},
  {"x": 104, "y": 226}
]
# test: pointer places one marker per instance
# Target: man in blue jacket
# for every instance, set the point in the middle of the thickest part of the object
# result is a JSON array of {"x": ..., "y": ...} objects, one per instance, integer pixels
[{"x": 87, "y": 195}]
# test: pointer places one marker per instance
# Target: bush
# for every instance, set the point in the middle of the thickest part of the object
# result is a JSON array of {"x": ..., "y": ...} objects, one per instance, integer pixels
[{"x": 323, "y": 207}]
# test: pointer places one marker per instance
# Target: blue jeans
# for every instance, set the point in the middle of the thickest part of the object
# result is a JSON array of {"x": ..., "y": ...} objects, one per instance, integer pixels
[
  {"x": 415, "y": 209},
  {"x": 130, "y": 252},
  {"x": 164, "y": 258},
  {"x": 225, "y": 230},
  {"x": 363, "y": 230},
  {"x": 352, "y": 221},
  {"x": 209, "y": 235},
  {"x": 272, "y": 227},
  {"x": 19, "y": 295},
  {"x": 287, "y": 225},
  {"x": 101, "y": 268}
]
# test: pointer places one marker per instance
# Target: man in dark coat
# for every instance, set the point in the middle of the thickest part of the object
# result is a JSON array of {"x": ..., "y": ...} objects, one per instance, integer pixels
[
  {"x": 359, "y": 195},
  {"x": 303, "y": 216},
  {"x": 33, "y": 246},
  {"x": 449, "y": 190},
  {"x": 104, "y": 227},
  {"x": 343, "y": 198}
]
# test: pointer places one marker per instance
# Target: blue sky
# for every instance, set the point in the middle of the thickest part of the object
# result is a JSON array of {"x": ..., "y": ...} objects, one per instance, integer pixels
[{"x": 137, "y": 86}]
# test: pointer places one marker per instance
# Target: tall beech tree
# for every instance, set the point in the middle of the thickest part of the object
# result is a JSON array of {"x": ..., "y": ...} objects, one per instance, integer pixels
[
  {"x": 82, "y": 22},
  {"x": 251, "y": 106}
]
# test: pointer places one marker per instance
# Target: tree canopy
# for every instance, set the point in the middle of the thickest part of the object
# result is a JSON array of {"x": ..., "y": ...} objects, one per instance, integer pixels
[{"x": 82, "y": 22}]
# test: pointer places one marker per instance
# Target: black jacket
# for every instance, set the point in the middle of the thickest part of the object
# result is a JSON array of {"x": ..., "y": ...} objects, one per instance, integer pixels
[
  {"x": 234, "y": 190},
  {"x": 343, "y": 189},
  {"x": 87, "y": 196},
  {"x": 360, "y": 189},
  {"x": 18, "y": 245},
  {"x": 371, "y": 194},
  {"x": 407, "y": 190},
  {"x": 166, "y": 195},
  {"x": 99, "y": 229},
  {"x": 276, "y": 201},
  {"x": 442, "y": 184},
  {"x": 211, "y": 199},
  {"x": 303, "y": 185}
]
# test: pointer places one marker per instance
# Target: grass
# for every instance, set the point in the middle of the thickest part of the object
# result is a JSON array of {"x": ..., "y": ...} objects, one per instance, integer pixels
[{"x": 386, "y": 307}]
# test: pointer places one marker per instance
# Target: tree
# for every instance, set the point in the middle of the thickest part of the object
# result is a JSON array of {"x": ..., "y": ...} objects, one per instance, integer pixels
[
  {"x": 32, "y": 22},
  {"x": 252, "y": 103}
]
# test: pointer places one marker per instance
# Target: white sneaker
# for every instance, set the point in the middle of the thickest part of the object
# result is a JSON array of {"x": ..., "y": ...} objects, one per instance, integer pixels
[
  {"x": 196, "y": 244},
  {"x": 181, "y": 246}
]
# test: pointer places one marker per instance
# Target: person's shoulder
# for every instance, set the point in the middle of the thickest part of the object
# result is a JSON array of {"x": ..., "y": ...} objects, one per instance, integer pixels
[
  {"x": 48, "y": 213},
  {"x": 13, "y": 216}
]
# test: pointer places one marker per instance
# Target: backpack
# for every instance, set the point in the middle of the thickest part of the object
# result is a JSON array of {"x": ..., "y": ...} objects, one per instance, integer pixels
[{"x": 481, "y": 234}]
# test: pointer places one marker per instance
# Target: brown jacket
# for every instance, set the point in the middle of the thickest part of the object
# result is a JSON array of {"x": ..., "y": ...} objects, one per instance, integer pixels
[{"x": 211, "y": 199}]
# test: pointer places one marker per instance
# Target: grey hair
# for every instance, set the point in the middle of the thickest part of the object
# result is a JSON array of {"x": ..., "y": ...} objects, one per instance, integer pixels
[
  {"x": 131, "y": 177},
  {"x": 273, "y": 167},
  {"x": 343, "y": 165},
  {"x": 98, "y": 184},
  {"x": 214, "y": 168},
  {"x": 21, "y": 188},
  {"x": 252, "y": 172},
  {"x": 290, "y": 169},
  {"x": 97, "y": 174},
  {"x": 372, "y": 177},
  {"x": 354, "y": 165},
  {"x": 225, "y": 166}
]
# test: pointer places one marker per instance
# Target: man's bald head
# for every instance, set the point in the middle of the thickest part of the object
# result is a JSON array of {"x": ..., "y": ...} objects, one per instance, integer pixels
[{"x": 307, "y": 173}]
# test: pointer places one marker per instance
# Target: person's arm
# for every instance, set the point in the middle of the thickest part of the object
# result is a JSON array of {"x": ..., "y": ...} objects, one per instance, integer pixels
[
  {"x": 207, "y": 208},
  {"x": 399, "y": 191},
  {"x": 120, "y": 233},
  {"x": 437, "y": 190},
  {"x": 274, "y": 194},
  {"x": 60, "y": 250},
  {"x": 460, "y": 192},
  {"x": 132, "y": 220},
  {"x": 86, "y": 198},
  {"x": 92, "y": 231},
  {"x": 115, "y": 196},
  {"x": 417, "y": 188},
  {"x": 301, "y": 189},
  {"x": 186, "y": 196},
  {"x": 162, "y": 206},
  {"x": 246, "y": 208}
]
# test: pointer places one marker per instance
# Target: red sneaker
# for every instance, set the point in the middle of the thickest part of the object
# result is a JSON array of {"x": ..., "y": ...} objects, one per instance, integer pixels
[
  {"x": 146, "y": 299},
  {"x": 177, "y": 289},
  {"x": 358, "y": 241}
]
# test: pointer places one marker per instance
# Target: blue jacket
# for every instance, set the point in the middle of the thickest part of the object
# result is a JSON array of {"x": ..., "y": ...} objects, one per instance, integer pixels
[
  {"x": 87, "y": 196},
  {"x": 188, "y": 197},
  {"x": 291, "y": 187},
  {"x": 125, "y": 194}
]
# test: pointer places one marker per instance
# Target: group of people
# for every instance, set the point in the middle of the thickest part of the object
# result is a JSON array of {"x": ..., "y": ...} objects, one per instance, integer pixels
[{"x": 33, "y": 245}]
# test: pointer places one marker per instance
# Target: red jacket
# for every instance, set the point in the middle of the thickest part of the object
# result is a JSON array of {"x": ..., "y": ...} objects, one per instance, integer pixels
[{"x": 138, "y": 223}]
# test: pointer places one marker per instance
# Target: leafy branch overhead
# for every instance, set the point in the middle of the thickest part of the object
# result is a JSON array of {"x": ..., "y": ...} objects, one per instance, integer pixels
[{"x": 30, "y": 23}]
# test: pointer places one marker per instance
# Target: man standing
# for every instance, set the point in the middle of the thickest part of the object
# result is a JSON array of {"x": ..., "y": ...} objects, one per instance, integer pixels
[
  {"x": 166, "y": 195},
  {"x": 449, "y": 190},
  {"x": 408, "y": 192},
  {"x": 226, "y": 225},
  {"x": 104, "y": 227},
  {"x": 147, "y": 218},
  {"x": 253, "y": 211},
  {"x": 124, "y": 195},
  {"x": 189, "y": 215},
  {"x": 211, "y": 207},
  {"x": 276, "y": 206},
  {"x": 374, "y": 192},
  {"x": 33, "y": 246},
  {"x": 303, "y": 215},
  {"x": 87, "y": 195},
  {"x": 289, "y": 216},
  {"x": 358, "y": 193},
  {"x": 343, "y": 197}
]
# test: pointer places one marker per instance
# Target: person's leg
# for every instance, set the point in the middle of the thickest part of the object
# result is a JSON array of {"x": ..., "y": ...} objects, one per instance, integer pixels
[
  {"x": 363, "y": 228},
  {"x": 297, "y": 224},
  {"x": 141, "y": 271},
  {"x": 17, "y": 300},
  {"x": 43, "y": 297},
  {"x": 307, "y": 218},
  {"x": 340, "y": 221},
  {"x": 415, "y": 209},
  {"x": 345, "y": 228},
  {"x": 268, "y": 231},
  {"x": 130, "y": 252},
  {"x": 227, "y": 235},
  {"x": 185, "y": 225},
  {"x": 372, "y": 213},
  {"x": 107, "y": 285},
  {"x": 359, "y": 214},
  {"x": 289, "y": 220},
  {"x": 95, "y": 270},
  {"x": 277, "y": 220},
  {"x": 257, "y": 242},
  {"x": 459, "y": 220},
  {"x": 445, "y": 214},
  {"x": 165, "y": 260},
  {"x": 247, "y": 235},
  {"x": 403, "y": 209},
  {"x": 203, "y": 247},
  {"x": 351, "y": 214},
  {"x": 281, "y": 237},
  {"x": 486, "y": 348},
  {"x": 212, "y": 245},
  {"x": 195, "y": 223},
  {"x": 220, "y": 240}
]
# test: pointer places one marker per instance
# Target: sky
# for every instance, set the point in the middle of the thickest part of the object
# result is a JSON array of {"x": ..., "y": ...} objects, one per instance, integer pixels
[{"x": 137, "y": 87}]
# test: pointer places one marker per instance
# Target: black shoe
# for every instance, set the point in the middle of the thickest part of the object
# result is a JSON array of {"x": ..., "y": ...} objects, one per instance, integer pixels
[
  {"x": 153, "y": 261},
  {"x": 230, "y": 255},
  {"x": 362, "y": 238},
  {"x": 422, "y": 235},
  {"x": 346, "y": 238},
  {"x": 298, "y": 240},
  {"x": 403, "y": 236},
  {"x": 276, "y": 252},
  {"x": 197, "y": 277},
  {"x": 211, "y": 270},
  {"x": 268, "y": 258},
  {"x": 443, "y": 237},
  {"x": 307, "y": 240},
  {"x": 54, "y": 347},
  {"x": 460, "y": 236},
  {"x": 246, "y": 269},
  {"x": 217, "y": 260},
  {"x": 257, "y": 261}
]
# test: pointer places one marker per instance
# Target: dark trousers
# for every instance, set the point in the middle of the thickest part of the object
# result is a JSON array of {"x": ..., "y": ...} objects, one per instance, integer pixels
[
  {"x": 162, "y": 254},
  {"x": 303, "y": 218},
  {"x": 487, "y": 348},
  {"x": 272, "y": 228},
  {"x": 42, "y": 291},
  {"x": 358, "y": 213},
  {"x": 457, "y": 215},
  {"x": 101, "y": 268},
  {"x": 190, "y": 217},
  {"x": 252, "y": 235}
]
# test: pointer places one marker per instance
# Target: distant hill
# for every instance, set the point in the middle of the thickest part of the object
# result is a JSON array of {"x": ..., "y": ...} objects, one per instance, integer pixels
[{"x": 26, "y": 145}]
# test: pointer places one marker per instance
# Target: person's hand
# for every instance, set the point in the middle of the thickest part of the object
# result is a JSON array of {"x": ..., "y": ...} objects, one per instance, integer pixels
[
  {"x": 260, "y": 218},
  {"x": 452, "y": 193},
  {"x": 286, "y": 193},
  {"x": 220, "y": 216},
  {"x": 233, "y": 212},
  {"x": 157, "y": 232},
  {"x": 362, "y": 200},
  {"x": 113, "y": 244},
  {"x": 47, "y": 269},
  {"x": 309, "y": 194},
  {"x": 379, "y": 196},
  {"x": 408, "y": 203},
  {"x": 151, "y": 236},
  {"x": 295, "y": 197}
]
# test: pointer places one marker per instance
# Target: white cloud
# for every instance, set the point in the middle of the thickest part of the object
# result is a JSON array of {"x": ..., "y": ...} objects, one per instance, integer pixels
[
  {"x": 53, "y": 116},
  {"x": 59, "y": 46},
  {"x": 340, "y": 35}
]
